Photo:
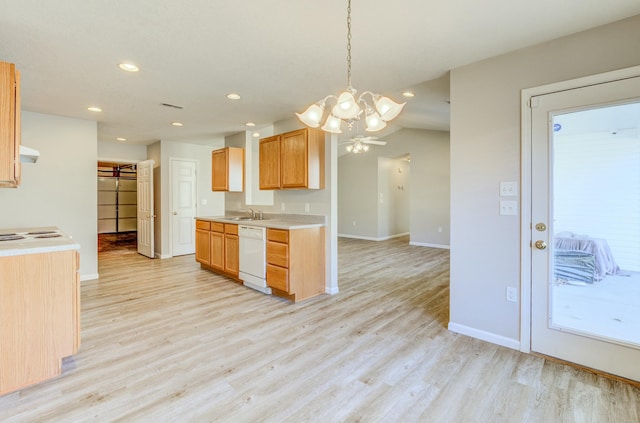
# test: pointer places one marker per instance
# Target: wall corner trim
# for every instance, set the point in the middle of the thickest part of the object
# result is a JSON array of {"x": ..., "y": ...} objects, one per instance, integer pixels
[
  {"x": 426, "y": 244},
  {"x": 484, "y": 336},
  {"x": 89, "y": 277},
  {"x": 331, "y": 290}
]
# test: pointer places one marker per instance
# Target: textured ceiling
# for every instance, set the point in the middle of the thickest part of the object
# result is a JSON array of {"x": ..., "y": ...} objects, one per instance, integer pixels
[{"x": 280, "y": 55}]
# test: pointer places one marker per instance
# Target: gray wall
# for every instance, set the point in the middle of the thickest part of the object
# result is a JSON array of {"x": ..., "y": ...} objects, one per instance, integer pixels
[
  {"x": 485, "y": 149},
  {"x": 61, "y": 188},
  {"x": 428, "y": 187}
]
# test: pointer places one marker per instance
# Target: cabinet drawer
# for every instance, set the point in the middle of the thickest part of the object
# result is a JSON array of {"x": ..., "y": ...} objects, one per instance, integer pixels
[
  {"x": 203, "y": 224},
  {"x": 278, "y": 277},
  {"x": 278, "y": 235},
  {"x": 278, "y": 253},
  {"x": 230, "y": 228},
  {"x": 217, "y": 227}
]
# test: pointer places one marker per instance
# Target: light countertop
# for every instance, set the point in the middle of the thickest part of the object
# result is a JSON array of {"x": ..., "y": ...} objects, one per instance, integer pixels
[
  {"x": 33, "y": 245},
  {"x": 275, "y": 221}
]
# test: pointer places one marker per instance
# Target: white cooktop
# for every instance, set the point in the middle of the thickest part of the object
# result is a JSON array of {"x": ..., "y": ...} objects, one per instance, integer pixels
[{"x": 17, "y": 241}]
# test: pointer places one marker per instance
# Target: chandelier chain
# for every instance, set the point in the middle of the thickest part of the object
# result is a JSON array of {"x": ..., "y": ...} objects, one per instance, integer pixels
[{"x": 349, "y": 42}]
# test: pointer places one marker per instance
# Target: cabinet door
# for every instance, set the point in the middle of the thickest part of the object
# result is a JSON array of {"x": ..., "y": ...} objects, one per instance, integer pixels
[
  {"x": 203, "y": 249},
  {"x": 293, "y": 159},
  {"x": 9, "y": 125},
  {"x": 270, "y": 163},
  {"x": 278, "y": 253},
  {"x": 217, "y": 250},
  {"x": 278, "y": 278},
  {"x": 220, "y": 170},
  {"x": 231, "y": 254}
]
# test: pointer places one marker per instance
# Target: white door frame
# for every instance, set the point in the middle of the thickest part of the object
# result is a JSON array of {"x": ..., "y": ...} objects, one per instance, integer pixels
[
  {"x": 170, "y": 205},
  {"x": 525, "y": 178}
]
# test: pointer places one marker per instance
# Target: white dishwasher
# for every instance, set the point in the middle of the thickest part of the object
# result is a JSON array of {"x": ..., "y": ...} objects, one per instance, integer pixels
[{"x": 253, "y": 265}]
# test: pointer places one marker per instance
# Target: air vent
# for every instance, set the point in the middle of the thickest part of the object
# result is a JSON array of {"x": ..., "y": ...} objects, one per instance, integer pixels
[{"x": 172, "y": 105}]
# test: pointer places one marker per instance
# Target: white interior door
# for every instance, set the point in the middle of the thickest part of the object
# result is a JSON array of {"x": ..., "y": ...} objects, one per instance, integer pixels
[
  {"x": 183, "y": 206},
  {"x": 585, "y": 195},
  {"x": 145, "y": 208}
]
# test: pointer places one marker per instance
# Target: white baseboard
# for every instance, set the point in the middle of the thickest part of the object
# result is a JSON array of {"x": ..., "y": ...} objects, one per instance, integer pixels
[
  {"x": 485, "y": 336},
  {"x": 369, "y": 238},
  {"x": 89, "y": 277},
  {"x": 426, "y": 244},
  {"x": 331, "y": 290},
  {"x": 162, "y": 256}
]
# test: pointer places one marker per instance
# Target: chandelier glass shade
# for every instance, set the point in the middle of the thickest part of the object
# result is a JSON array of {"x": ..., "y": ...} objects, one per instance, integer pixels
[{"x": 348, "y": 108}]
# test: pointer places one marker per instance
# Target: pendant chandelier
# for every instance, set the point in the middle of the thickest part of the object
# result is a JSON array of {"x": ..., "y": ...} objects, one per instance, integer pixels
[{"x": 349, "y": 110}]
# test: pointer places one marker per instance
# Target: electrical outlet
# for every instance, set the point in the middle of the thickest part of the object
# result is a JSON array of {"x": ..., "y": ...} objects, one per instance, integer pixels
[
  {"x": 282, "y": 207},
  {"x": 353, "y": 223},
  {"x": 306, "y": 207},
  {"x": 512, "y": 294}
]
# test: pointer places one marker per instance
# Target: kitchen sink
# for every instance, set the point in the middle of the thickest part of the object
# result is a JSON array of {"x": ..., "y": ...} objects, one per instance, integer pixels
[{"x": 244, "y": 218}]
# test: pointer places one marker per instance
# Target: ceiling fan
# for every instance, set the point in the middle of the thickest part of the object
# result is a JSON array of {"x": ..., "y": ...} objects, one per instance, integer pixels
[{"x": 360, "y": 144}]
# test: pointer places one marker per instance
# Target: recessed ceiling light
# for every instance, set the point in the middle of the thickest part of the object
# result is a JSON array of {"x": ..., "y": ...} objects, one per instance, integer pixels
[
  {"x": 176, "y": 123},
  {"x": 121, "y": 139},
  {"x": 250, "y": 124},
  {"x": 129, "y": 67},
  {"x": 408, "y": 94},
  {"x": 233, "y": 96},
  {"x": 256, "y": 134},
  {"x": 94, "y": 109}
]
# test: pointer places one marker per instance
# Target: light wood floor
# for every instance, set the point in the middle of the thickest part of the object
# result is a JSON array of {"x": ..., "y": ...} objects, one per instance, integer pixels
[{"x": 164, "y": 340}]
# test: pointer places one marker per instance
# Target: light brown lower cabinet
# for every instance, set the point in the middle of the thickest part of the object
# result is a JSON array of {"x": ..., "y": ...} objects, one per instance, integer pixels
[
  {"x": 217, "y": 247},
  {"x": 203, "y": 242},
  {"x": 39, "y": 316},
  {"x": 296, "y": 262}
]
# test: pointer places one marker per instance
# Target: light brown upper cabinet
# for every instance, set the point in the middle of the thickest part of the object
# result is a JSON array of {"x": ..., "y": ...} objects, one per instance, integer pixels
[
  {"x": 293, "y": 160},
  {"x": 270, "y": 163},
  {"x": 9, "y": 125},
  {"x": 227, "y": 169}
]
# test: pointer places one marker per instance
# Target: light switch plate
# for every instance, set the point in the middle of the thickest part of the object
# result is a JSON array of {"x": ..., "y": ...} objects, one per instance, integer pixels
[
  {"x": 508, "y": 189},
  {"x": 508, "y": 208}
]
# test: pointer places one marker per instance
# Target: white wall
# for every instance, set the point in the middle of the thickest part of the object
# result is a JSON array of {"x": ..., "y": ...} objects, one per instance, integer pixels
[
  {"x": 61, "y": 188},
  {"x": 121, "y": 152},
  {"x": 485, "y": 149},
  {"x": 428, "y": 187}
]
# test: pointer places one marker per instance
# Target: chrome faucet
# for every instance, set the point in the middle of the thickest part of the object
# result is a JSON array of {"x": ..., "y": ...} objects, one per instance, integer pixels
[
  {"x": 253, "y": 213},
  {"x": 260, "y": 215}
]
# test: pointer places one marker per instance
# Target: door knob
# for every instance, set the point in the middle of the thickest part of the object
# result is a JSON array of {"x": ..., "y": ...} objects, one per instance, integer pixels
[
  {"x": 541, "y": 245},
  {"x": 175, "y": 213}
]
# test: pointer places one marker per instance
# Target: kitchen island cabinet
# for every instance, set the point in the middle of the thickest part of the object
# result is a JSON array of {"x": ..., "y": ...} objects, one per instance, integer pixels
[
  {"x": 9, "y": 125},
  {"x": 296, "y": 262},
  {"x": 39, "y": 315},
  {"x": 293, "y": 160}
]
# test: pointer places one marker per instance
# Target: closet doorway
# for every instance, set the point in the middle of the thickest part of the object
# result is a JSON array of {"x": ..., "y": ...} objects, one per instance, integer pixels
[{"x": 117, "y": 207}]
